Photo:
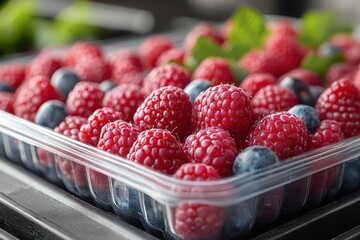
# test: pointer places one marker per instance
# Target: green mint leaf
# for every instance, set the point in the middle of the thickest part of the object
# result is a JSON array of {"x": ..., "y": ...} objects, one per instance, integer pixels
[
  {"x": 249, "y": 30},
  {"x": 320, "y": 64},
  {"x": 206, "y": 47}
]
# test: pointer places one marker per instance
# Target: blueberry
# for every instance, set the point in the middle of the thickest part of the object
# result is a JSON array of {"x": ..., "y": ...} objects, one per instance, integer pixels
[
  {"x": 107, "y": 85},
  {"x": 195, "y": 87},
  {"x": 316, "y": 91},
  {"x": 252, "y": 159},
  {"x": 351, "y": 177},
  {"x": 126, "y": 201},
  {"x": 6, "y": 88},
  {"x": 300, "y": 88},
  {"x": 329, "y": 50},
  {"x": 64, "y": 80},
  {"x": 51, "y": 114},
  {"x": 308, "y": 114}
]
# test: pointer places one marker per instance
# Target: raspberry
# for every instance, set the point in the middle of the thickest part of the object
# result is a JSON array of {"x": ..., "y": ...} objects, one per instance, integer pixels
[
  {"x": 151, "y": 49},
  {"x": 282, "y": 132},
  {"x": 70, "y": 127},
  {"x": 6, "y": 102},
  {"x": 226, "y": 28},
  {"x": 175, "y": 55},
  {"x": 202, "y": 30},
  {"x": 214, "y": 147},
  {"x": 256, "y": 81},
  {"x": 166, "y": 108},
  {"x": 90, "y": 132},
  {"x": 342, "y": 40},
  {"x": 84, "y": 99},
  {"x": 122, "y": 69},
  {"x": 158, "y": 149},
  {"x": 282, "y": 27},
  {"x": 118, "y": 137},
  {"x": 286, "y": 53},
  {"x": 256, "y": 61},
  {"x": 93, "y": 69},
  {"x": 339, "y": 70},
  {"x": 166, "y": 75},
  {"x": 271, "y": 99},
  {"x": 341, "y": 102},
  {"x": 329, "y": 131},
  {"x": 308, "y": 76},
  {"x": 197, "y": 221},
  {"x": 352, "y": 54},
  {"x": 79, "y": 50},
  {"x": 126, "y": 55},
  {"x": 12, "y": 74},
  {"x": 44, "y": 64},
  {"x": 216, "y": 70},
  {"x": 32, "y": 94},
  {"x": 225, "y": 106},
  {"x": 125, "y": 98}
]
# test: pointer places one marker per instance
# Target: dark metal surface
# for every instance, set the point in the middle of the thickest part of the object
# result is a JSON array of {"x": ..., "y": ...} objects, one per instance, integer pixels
[{"x": 31, "y": 208}]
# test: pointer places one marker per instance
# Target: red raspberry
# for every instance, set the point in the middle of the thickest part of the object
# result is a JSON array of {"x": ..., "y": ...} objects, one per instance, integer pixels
[
  {"x": 271, "y": 99},
  {"x": 214, "y": 147},
  {"x": 328, "y": 132},
  {"x": 166, "y": 75},
  {"x": 121, "y": 69},
  {"x": 70, "y": 127},
  {"x": 341, "y": 102},
  {"x": 256, "y": 81},
  {"x": 126, "y": 55},
  {"x": 227, "y": 28},
  {"x": 339, "y": 70},
  {"x": 256, "y": 61},
  {"x": 93, "y": 69},
  {"x": 44, "y": 64},
  {"x": 225, "y": 106},
  {"x": 166, "y": 108},
  {"x": 175, "y": 55},
  {"x": 216, "y": 70},
  {"x": 282, "y": 132},
  {"x": 125, "y": 98},
  {"x": 84, "y": 99},
  {"x": 352, "y": 54},
  {"x": 6, "y": 102},
  {"x": 197, "y": 221},
  {"x": 12, "y": 74},
  {"x": 342, "y": 40},
  {"x": 79, "y": 50},
  {"x": 282, "y": 27},
  {"x": 308, "y": 76},
  {"x": 118, "y": 137},
  {"x": 285, "y": 52},
  {"x": 158, "y": 149},
  {"x": 32, "y": 94},
  {"x": 90, "y": 132},
  {"x": 151, "y": 49},
  {"x": 202, "y": 30}
]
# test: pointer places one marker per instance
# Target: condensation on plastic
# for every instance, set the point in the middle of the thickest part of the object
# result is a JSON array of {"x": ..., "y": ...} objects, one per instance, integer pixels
[{"x": 140, "y": 195}]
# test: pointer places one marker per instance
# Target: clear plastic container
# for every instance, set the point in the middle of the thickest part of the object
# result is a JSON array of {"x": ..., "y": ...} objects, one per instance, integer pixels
[{"x": 239, "y": 204}]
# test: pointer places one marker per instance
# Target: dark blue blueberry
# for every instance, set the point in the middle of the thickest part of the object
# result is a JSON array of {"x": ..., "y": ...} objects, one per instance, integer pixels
[
  {"x": 329, "y": 50},
  {"x": 351, "y": 177},
  {"x": 153, "y": 216},
  {"x": 107, "y": 85},
  {"x": 308, "y": 114},
  {"x": 300, "y": 88},
  {"x": 64, "y": 80},
  {"x": 51, "y": 114},
  {"x": 195, "y": 87},
  {"x": 6, "y": 88},
  {"x": 254, "y": 158},
  {"x": 316, "y": 91}
]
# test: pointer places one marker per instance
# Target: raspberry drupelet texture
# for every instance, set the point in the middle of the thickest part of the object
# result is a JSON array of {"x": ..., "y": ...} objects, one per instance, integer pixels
[
  {"x": 70, "y": 127},
  {"x": 44, "y": 64},
  {"x": 124, "y": 98},
  {"x": 151, "y": 49},
  {"x": 341, "y": 102},
  {"x": 79, "y": 50},
  {"x": 166, "y": 108},
  {"x": 338, "y": 71},
  {"x": 214, "y": 147},
  {"x": 225, "y": 106},
  {"x": 256, "y": 81},
  {"x": 329, "y": 131},
  {"x": 282, "y": 132},
  {"x": 12, "y": 74},
  {"x": 166, "y": 75},
  {"x": 84, "y": 99},
  {"x": 93, "y": 69},
  {"x": 158, "y": 149}
]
